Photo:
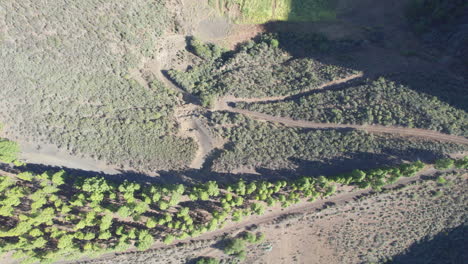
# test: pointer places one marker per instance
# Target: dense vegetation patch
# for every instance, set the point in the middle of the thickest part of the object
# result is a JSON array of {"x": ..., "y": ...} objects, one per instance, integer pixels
[
  {"x": 8, "y": 150},
  {"x": 375, "y": 102},
  {"x": 54, "y": 215},
  {"x": 424, "y": 14},
  {"x": 264, "y": 145},
  {"x": 262, "y": 11},
  {"x": 256, "y": 69},
  {"x": 51, "y": 216},
  {"x": 66, "y": 80}
]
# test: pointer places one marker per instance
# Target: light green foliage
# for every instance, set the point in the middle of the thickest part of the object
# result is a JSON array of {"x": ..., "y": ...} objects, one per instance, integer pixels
[
  {"x": 8, "y": 150},
  {"x": 258, "y": 208},
  {"x": 106, "y": 222},
  {"x": 444, "y": 164},
  {"x": 124, "y": 212},
  {"x": 145, "y": 240},
  {"x": 151, "y": 223},
  {"x": 85, "y": 229},
  {"x": 72, "y": 75},
  {"x": 65, "y": 241},
  {"x": 207, "y": 260},
  {"x": 58, "y": 178},
  {"x": 376, "y": 102},
  {"x": 262, "y": 11},
  {"x": 441, "y": 180},
  {"x": 168, "y": 239},
  {"x": 25, "y": 176}
]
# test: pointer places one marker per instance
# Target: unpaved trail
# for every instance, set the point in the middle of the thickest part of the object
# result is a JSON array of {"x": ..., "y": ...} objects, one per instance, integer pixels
[
  {"x": 222, "y": 104},
  {"x": 402, "y": 131},
  {"x": 192, "y": 127},
  {"x": 232, "y": 99},
  {"x": 275, "y": 212}
]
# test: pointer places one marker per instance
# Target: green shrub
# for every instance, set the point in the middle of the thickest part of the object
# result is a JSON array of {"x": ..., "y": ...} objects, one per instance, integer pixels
[
  {"x": 234, "y": 246},
  {"x": 443, "y": 164},
  {"x": 8, "y": 150},
  {"x": 207, "y": 260}
]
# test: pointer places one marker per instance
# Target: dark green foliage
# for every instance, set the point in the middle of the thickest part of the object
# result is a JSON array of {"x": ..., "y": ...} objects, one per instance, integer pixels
[
  {"x": 444, "y": 164},
  {"x": 234, "y": 246},
  {"x": 462, "y": 163},
  {"x": 376, "y": 102},
  {"x": 424, "y": 14},
  {"x": 264, "y": 145},
  {"x": 256, "y": 70},
  {"x": 205, "y": 51}
]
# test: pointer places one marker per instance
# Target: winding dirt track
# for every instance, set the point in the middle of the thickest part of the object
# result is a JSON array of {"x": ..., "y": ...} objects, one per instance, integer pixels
[
  {"x": 416, "y": 132},
  {"x": 223, "y": 105},
  {"x": 232, "y": 99}
]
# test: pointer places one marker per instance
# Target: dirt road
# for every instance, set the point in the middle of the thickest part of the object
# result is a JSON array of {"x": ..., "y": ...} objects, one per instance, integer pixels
[
  {"x": 231, "y": 99},
  {"x": 275, "y": 212},
  {"x": 402, "y": 131}
]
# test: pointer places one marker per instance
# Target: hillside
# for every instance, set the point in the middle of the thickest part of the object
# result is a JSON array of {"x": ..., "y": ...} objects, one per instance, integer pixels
[{"x": 230, "y": 131}]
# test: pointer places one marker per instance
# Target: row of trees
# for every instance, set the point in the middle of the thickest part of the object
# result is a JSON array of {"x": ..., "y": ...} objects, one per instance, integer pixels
[{"x": 51, "y": 216}]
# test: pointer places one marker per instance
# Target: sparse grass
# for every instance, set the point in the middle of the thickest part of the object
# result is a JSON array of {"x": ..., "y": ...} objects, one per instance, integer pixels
[
  {"x": 65, "y": 80},
  {"x": 262, "y": 11}
]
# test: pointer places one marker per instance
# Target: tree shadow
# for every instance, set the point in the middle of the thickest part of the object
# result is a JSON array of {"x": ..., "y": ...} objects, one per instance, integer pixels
[
  {"x": 369, "y": 54},
  {"x": 444, "y": 248}
]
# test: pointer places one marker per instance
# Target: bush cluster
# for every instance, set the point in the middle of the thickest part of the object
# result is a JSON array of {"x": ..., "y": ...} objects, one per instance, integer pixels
[
  {"x": 256, "y": 69},
  {"x": 52, "y": 216},
  {"x": 264, "y": 145},
  {"x": 8, "y": 150},
  {"x": 423, "y": 14},
  {"x": 376, "y": 102}
]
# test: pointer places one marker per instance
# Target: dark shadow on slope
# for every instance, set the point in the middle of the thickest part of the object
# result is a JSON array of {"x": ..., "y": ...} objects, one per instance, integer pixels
[
  {"x": 296, "y": 97},
  {"x": 361, "y": 160},
  {"x": 374, "y": 52},
  {"x": 445, "y": 248},
  {"x": 191, "y": 177},
  {"x": 187, "y": 97}
]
